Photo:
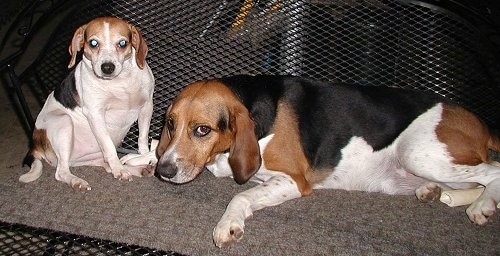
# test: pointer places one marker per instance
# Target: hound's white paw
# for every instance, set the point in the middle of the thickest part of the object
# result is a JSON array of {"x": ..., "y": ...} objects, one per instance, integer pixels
[
  {"x": 428, "y": 192},
  {"x": 481, "y": 210},
  {"x": 228, "y": 232}
]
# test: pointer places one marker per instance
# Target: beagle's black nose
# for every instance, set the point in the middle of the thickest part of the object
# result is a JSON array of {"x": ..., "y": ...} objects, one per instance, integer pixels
[
  {"x": 166, "y": 170},
  {"x": 107, "y": 68}
]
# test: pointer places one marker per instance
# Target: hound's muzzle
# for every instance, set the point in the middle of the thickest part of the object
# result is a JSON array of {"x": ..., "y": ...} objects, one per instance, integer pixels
[{"x": 177, "y": 171}]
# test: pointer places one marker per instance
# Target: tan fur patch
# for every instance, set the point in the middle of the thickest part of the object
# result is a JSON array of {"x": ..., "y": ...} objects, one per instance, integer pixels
[
  {"x": 464, "y": 134},
  {"x": 189, "y": 112},
  {"x": 208, "y": 104},
  {"x": 95, "y": 28},
  {"x": 42, "y": 148},
  {"x": 284, "y": 152}
]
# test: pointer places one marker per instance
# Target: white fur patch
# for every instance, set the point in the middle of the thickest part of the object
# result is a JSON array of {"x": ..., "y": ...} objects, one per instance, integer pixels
[{"x": 396, "y": 169}]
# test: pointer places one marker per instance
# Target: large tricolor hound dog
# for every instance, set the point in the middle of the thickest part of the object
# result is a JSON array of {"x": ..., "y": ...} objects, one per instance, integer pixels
[
  {"x": 312, "y": 135},
  {"x": 90, "y": 113}
]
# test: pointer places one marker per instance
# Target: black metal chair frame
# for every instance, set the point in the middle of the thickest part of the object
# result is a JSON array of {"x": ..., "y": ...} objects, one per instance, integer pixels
[{"x": 19, "y": 35}]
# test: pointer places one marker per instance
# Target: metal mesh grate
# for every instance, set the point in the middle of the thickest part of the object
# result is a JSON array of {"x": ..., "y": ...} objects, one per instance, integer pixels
[
  {"x": 370, "y": 42},
  {"x": 16, "y": 239}
]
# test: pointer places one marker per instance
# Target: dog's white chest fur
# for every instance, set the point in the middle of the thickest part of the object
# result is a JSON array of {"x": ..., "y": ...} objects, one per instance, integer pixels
[{"x": 120, "y": 100}]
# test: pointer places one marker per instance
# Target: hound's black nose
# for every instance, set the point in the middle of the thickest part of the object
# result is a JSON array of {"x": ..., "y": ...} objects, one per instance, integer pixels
[
  {"x": 166, "y": 170},
  {"x": 107, "y": 68}
]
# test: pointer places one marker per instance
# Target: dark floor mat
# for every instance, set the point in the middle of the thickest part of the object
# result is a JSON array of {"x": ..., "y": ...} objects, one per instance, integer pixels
[{"x": 16, "y": 239}]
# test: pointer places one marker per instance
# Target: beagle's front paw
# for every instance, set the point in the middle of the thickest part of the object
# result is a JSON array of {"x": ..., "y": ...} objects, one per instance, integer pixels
[
  {"x": 228, "y": 232},
  {"x": 480, "y": 210},
  {"x": 122, "y": 174},
  {"x": 148, "y": 158},
  {"x": 79, "y": 184}
]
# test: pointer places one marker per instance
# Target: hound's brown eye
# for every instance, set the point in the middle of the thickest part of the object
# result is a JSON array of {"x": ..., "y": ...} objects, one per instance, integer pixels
[{"x": 201, "y": 131}]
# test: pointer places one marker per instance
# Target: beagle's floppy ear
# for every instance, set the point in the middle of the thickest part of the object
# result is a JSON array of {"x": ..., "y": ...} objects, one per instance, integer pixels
[
  {"x": 244, "y": 154},
  {"x": 76, "y": 44},
  {"x": 165, "y": 136},
  {"x": 140, "y": 46}
]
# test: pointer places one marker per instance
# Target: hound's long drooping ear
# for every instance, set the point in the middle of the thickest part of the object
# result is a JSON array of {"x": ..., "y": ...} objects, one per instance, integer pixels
[
  {"x": 141, "y": 49},
  {"x": 76, "y": 44},
  {"x": 165, "y": 136},
  {"x": 244, "y": 154}
]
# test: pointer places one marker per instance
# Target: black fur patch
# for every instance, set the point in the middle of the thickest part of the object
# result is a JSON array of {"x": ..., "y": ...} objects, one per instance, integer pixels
[
  {"x": 66, "y": 92},
  {"x": 260, "y": 95},
  {"x": 329, "y": 114}
]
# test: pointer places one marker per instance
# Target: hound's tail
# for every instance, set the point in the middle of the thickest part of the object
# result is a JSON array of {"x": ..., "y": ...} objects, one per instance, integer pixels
[{"x": 36, "y": 168}]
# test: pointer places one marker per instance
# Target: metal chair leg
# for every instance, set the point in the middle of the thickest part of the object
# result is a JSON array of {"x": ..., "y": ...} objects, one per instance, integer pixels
[{"x": 16, "y": 84}]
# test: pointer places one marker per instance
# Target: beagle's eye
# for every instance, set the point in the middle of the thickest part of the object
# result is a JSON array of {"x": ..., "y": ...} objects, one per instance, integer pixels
[
  {"x": 93, "y": 43},
  {"x": 202, "y": 131},
  {"x": 122, "y": 43}
]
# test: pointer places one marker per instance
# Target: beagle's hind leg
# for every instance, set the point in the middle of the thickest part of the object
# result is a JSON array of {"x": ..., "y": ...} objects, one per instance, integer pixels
[
  {"x": 64, "y": 174},
  {"x": 64, "y": 136}
]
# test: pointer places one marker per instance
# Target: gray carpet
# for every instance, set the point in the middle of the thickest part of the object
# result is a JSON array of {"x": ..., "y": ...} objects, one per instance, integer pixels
[{"x": 149, "y": 212}]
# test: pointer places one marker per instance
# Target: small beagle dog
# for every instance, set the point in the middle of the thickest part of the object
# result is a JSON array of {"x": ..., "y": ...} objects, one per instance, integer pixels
[
  {"x": 293, "y": 135},
  {"x": 88, "y": 115}
]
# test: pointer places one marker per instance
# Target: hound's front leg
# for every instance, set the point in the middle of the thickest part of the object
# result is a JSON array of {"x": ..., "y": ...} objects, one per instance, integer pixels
[{"x": 274, "y": 191}]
